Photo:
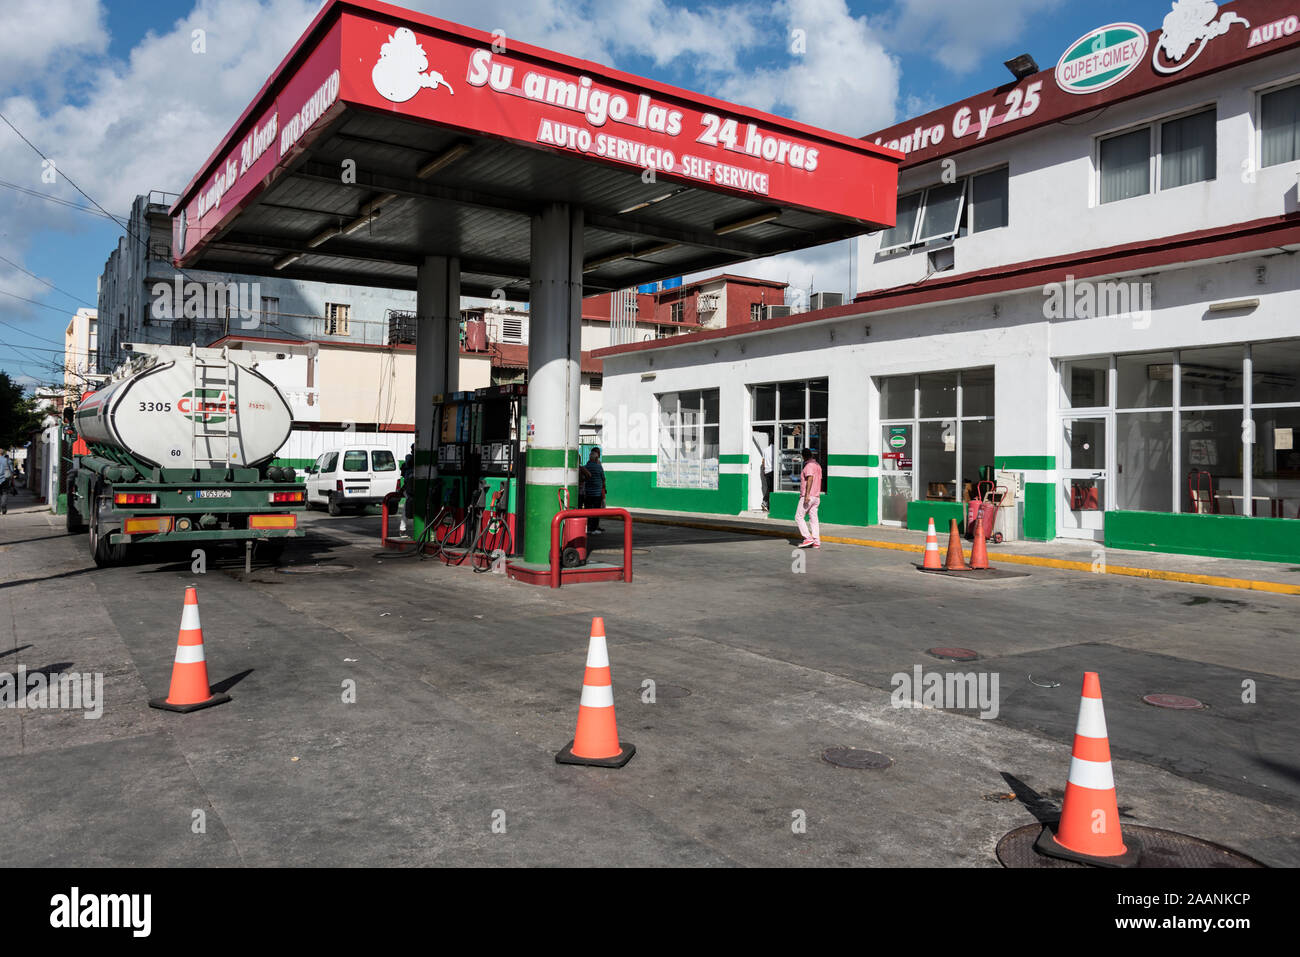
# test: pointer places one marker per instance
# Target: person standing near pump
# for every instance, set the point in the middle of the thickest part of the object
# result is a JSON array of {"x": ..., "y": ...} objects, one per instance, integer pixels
[
  {"x": 591, "y": 479},
  {"x": 6, "y": 481},
  {"x": 769, "y": 464},
  {"x": 810, "y": 493}
]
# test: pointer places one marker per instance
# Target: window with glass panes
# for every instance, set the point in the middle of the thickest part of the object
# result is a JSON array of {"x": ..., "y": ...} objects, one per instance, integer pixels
[
  {"x": 795, "y": 413},
  {"x": 1212, "y": 429},
  {"x": 1159, "y": 156},
  {"x": 688, "y": 439},
  {"x": 972, "y": 204},
  {"x": 936, "y": 434}
]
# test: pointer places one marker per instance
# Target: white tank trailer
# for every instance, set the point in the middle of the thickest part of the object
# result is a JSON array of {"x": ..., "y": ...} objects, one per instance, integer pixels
[
  {"x": 182, "y": 410},
  {"x": 178, "y": 445}
]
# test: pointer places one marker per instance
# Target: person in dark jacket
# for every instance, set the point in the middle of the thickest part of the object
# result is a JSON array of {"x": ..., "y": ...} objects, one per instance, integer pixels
[{"x": 591, "y": 485}]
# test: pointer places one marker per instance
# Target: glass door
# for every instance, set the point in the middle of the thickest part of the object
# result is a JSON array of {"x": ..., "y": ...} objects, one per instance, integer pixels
[
  {"x": 896, "y": 474},
  {"x": 1084, "y": 475}
]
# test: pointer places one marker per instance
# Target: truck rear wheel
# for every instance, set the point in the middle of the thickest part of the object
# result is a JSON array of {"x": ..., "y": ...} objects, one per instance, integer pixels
[
  {"x": 101, "y": 551},
  {"x": 335, "y": 508}
]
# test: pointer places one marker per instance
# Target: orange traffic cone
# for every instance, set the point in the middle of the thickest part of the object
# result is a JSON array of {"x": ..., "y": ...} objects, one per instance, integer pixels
[
  {"x": 956, "y": 560},
  {"x": 189, "y": 690},
  {"x": 596, "y": 740},
  {"x": 979, "y": 553},
  {"x": 931, "y": 548},
  {"x": 1089, "y": 830}
]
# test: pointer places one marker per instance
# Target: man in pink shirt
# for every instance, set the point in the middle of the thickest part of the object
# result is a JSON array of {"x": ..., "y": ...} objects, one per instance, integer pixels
[{"x": 810, "y": 493}]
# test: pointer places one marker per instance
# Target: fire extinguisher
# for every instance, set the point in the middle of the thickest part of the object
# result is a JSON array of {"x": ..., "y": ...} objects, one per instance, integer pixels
[{"x": 573, "y": 536}]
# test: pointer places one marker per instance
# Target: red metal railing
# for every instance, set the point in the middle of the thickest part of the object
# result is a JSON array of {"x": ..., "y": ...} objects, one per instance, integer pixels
[{"x": 558, "y": 521}]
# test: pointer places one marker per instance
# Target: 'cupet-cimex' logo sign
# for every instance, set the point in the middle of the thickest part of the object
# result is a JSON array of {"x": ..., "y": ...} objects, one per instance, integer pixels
[
  {"x": 1101, "y": 58},
  {"x": 211, "y": 405}
]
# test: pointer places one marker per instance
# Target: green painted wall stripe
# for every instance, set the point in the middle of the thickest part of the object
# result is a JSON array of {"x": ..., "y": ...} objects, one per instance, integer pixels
[
  {"x": 1034, "y": 462},
  {"x": 552, "y": 458},
  {"x": 639, "y": 490},
  {"x": 1218, "y": 536},
  {"x": 740, "y": 459},
  {"x": 1040, "y": 511},
  {"x": 293, "y": 463},
  {"x": 853, "y": 460},
  {"x": 644, "y": 459},
  {"x": 920, "y": 513}
]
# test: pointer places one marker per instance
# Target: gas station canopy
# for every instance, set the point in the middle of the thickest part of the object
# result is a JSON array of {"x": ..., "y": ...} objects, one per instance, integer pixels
[{"x": 386, "y": 136}]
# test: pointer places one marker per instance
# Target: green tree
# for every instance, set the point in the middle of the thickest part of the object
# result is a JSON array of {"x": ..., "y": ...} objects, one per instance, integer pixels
[{"x": 18, "y": 415}]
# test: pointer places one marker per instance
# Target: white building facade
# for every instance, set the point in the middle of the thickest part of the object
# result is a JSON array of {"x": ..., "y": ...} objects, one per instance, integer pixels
[{"x": 1090, "y": 297}]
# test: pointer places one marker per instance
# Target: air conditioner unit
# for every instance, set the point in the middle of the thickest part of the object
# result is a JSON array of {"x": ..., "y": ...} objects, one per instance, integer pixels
[
  {"x": 778, "y": 312},
  {"x": 825, "y": 300}
]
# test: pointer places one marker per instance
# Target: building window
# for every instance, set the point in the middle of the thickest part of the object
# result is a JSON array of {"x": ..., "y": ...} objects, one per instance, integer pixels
[
  {"x": 1279, "y": 126},
  {"x": 676, "y": 311},
  {"x": 1211, "y": 429},
  {"x": 988, "y": 200},
  {"x": 337, "y": 319},
  {"x": 794, "y": 414},
  {"x": 936, "y": 437},
  {"x": 972, "y": 204},
  {"x": 755, "y": 312},
  {"x": 270, "y": 311},
  {"x": 1175, "y": 152},
  {"x": 688, "y": 439}
]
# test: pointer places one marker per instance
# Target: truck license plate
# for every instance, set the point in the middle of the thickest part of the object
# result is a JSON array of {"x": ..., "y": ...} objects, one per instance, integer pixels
[{"x": 212, "y": 493}]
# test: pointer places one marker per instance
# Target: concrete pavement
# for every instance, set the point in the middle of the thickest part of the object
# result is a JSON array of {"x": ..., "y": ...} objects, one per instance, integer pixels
[{"x": 761, "y": 658}]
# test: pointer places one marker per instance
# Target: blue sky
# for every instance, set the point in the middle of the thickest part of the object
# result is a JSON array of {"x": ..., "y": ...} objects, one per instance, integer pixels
[{"x": 111, "y": 90}]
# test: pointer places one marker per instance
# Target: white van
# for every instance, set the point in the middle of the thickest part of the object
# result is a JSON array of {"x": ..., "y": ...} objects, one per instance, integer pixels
[{"x": 358, "y": 475}]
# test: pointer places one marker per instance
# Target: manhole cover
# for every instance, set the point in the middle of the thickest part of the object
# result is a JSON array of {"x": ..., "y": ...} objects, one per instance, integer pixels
[
  {"x": 315, "y": 569},
  {"x": 952, "y": 654},
  {"x": 671, "y": 691},
  {"x": 856, "y": 758},
  {"x": 1160, "y": 848},
  {"x": 1176, "y": 701},
  {"x": 1044, "y": 682}
]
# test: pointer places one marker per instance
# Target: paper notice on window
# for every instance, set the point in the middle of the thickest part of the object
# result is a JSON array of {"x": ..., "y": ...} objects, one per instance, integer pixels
[{"x": 1283, "y": 440}]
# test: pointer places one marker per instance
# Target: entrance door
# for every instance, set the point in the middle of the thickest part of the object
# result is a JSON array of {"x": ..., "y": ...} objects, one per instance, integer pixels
[
  {"x": 896, "y": 473},
  {"x": 1085, "y": 475}
]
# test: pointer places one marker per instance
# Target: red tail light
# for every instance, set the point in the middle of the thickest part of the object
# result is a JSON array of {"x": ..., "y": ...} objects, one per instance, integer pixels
[
  {"x": 286, "y": 497},
  {"x": 135, "y": 498},
  {"x": 338, "y": 485}
]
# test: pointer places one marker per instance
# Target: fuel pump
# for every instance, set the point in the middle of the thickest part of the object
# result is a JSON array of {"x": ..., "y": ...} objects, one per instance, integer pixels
[{"x": 481, "y": 468}]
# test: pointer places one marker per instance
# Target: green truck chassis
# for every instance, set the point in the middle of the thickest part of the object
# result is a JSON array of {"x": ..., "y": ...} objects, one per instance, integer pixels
[{"x": 179, "y": 505}]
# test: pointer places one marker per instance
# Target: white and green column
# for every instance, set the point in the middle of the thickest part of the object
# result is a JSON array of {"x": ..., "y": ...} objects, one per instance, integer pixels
[{"x": 554, "y": 372}]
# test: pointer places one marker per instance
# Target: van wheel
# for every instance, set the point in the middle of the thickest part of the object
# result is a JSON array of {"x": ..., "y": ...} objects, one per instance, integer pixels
[{"x": 335, "y": 508}]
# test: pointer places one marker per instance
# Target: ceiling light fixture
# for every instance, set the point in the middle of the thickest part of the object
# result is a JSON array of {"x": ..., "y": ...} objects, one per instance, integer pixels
[
  {"x": 443, "y": 160},
  {"x": 740, "y": 224}
]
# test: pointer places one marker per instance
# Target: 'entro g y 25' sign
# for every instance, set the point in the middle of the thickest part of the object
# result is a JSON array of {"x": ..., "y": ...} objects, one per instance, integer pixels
[{"x": 1101, "y": 58}]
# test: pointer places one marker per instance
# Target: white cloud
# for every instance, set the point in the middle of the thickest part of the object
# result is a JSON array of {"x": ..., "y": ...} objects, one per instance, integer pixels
[
  {"x": 959, "y": 36},
  {"x": 44, "y": 39},
  {"x": 120, "y": 127},
  {"x": 844, "y": 81}
]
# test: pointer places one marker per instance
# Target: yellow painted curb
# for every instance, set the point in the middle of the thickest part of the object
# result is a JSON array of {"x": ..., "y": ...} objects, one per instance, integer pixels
[{"x": 1155, "y": 574}]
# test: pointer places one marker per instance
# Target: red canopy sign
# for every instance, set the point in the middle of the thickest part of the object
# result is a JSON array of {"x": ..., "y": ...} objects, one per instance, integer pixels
[{"x": 380, "y": 58}]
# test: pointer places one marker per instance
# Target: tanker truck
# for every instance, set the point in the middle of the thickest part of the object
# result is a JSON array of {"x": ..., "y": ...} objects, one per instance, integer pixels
[{"x": 177, "y": 446}]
